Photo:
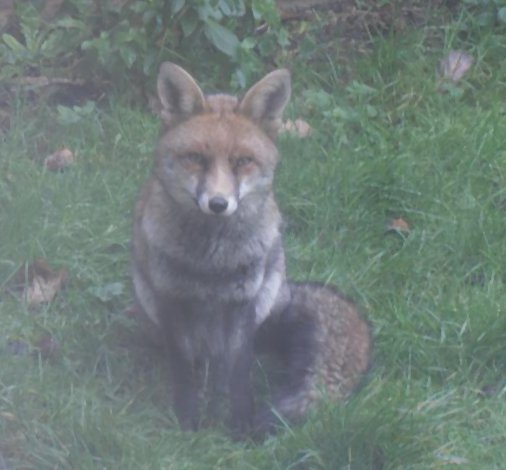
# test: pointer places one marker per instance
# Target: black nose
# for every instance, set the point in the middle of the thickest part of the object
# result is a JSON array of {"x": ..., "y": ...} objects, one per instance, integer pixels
[{"x": 218, "y": 204}]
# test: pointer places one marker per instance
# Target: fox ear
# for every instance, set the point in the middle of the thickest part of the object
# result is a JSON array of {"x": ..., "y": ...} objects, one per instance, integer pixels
[
  {"x": 179, "y": 94},
  {"x": 265, "y": 101}
]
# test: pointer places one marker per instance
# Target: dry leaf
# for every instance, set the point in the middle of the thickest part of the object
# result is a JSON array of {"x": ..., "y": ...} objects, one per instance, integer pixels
[
  {"x": 51, "y": 9},
  {"x": 455, "y": 65},
  {"x": 38, "y": 283},
  {"x": 59, "y": 159},
  {"x": 44, "y": 290},
  {"x": 17, "y": 347},
  {"x": 298, "y": 128},
  {"x": 48, "y": 346},
  {"x": 154, "y": 105},
  {"x": 133, "y": 311},
  {"x": 452, "y": 459},
  {"x": 398, "y": 225},
  {"x": 490, "y": 390},
  {"x": 119, "y": 3},
  {"x": 7, "y": 13}
]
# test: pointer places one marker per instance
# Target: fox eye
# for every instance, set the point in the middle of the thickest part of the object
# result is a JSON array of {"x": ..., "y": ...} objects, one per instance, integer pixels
[
  {"x": 194, "y": 160},
  {"x": 243, "y": 162}
]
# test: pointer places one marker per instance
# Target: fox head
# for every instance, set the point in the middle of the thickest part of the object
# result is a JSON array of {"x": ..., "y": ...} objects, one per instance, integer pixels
[{"x": 217, "y": 153}]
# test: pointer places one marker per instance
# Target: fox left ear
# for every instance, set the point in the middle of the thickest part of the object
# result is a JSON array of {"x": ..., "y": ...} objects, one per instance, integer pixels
[
  {"x": 265, "y": 101},
  {"x": 179, "y": 94}
]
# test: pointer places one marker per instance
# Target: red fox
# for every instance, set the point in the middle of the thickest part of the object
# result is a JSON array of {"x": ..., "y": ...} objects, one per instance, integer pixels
[{"x": 208, "y": 259}]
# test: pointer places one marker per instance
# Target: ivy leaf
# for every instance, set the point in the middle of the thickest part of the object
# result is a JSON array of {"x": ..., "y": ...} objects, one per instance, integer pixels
[
  {"x": 189, "y": 23},
  {"x": 69, "y": 116},
  {"x": 128, "y": 55},
  {"x": 360, "y": 89},
  {"x": 107, "y": 292},
  {"x": 13, "y": 43},
  {"x": 68, "y": 22},
  {"x": 176, "y": 6},
  {"x": 222, "y": 38},
  {"x": 501, "y": 15}
]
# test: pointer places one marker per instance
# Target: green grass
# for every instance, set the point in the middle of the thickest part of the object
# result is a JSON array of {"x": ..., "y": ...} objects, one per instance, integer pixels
[{"x": 436, "y": 297}]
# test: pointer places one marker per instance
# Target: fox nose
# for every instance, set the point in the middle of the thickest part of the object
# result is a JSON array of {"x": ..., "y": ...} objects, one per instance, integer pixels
[{"x": 218, "y": 204}]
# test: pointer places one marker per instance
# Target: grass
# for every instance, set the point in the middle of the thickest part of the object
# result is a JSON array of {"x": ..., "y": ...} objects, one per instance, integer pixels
[{"x": 386, "y": 145}]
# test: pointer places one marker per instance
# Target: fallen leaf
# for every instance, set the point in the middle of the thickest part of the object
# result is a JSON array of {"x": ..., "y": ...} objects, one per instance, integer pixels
[
  {"x": 298, "y": 128},
  {"x": 51, "y": 9},
  {"x": 398, "y": 225},
  {"x": 133, "y": 311},
  {"x": 17, "y": 347},
  {"x": 455, "y": 65},
  {"x": 44, "y": 289},
  {"x": 154, "y": 105},
  {"x": 491, "y": 390},
  {"x": 452, "y": 459},
  {"x": 7, "y": 14},
  {"x": 119, "y": 3},
  {"x": 38, "y": 283},
  {"x": 59, "y": 160},
  {"x": 48, "y": 346}
]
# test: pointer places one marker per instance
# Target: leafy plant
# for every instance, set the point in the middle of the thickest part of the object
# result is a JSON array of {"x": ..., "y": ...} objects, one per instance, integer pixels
[
  {"x": 120, "y": 41},
  {"x": 487, "y": 12}
]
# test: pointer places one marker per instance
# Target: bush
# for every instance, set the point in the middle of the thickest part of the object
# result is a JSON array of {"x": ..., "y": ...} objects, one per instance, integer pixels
[{"x": 117, "y": 42}]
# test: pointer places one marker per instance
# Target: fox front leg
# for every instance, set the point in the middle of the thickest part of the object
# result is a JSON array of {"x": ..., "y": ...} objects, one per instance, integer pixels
[
  {"x": 240, "y": 388},
  {"x": 218, "y": 378},
  {"x": 181, "y": 357},
  {"x": 241, "y": 395},
  {"x": 185, "y": 390}
]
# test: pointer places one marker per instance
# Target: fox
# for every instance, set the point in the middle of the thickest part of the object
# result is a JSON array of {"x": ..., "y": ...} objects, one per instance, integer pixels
[{"x": 208, "y": 262}]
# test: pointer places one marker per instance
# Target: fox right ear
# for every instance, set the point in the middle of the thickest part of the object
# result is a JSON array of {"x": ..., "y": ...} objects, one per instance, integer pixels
[
  {"x": 266, "y": 100},
  {"x": 179, "y": 94}
]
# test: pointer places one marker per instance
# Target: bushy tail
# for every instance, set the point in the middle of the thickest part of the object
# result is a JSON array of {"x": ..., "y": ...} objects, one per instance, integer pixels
[{"x": 324, "y": 344}]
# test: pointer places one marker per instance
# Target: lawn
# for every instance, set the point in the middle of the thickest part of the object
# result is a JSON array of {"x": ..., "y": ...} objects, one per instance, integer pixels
[{"x": 388, "y": 143}]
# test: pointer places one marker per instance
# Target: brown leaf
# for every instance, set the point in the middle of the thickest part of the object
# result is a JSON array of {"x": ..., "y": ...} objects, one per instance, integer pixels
[
  {"x": 51, "y": 9},
  {"x": 452, "y": 459},
  {"x": 48, "y": 346},
  {"x": 455, "y": 65},
  {"x": 119, "y": 3},
  {"x": 7, "y": 13},
  {"x": 17, "y": 347},
  {"x": 154, "y": 105},
  {"x": 38, "y": 283},
  {"x": 490, "y": 390},
  {"x": 298, "y": 128},
  {"x": 59, "y": 159},
  {"x": 133, "y": 311},
  {"x": 398, "y": 225}
]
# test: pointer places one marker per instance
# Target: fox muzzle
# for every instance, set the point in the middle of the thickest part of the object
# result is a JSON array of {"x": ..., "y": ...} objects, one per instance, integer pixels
[{"x": 217, "y": 205}]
